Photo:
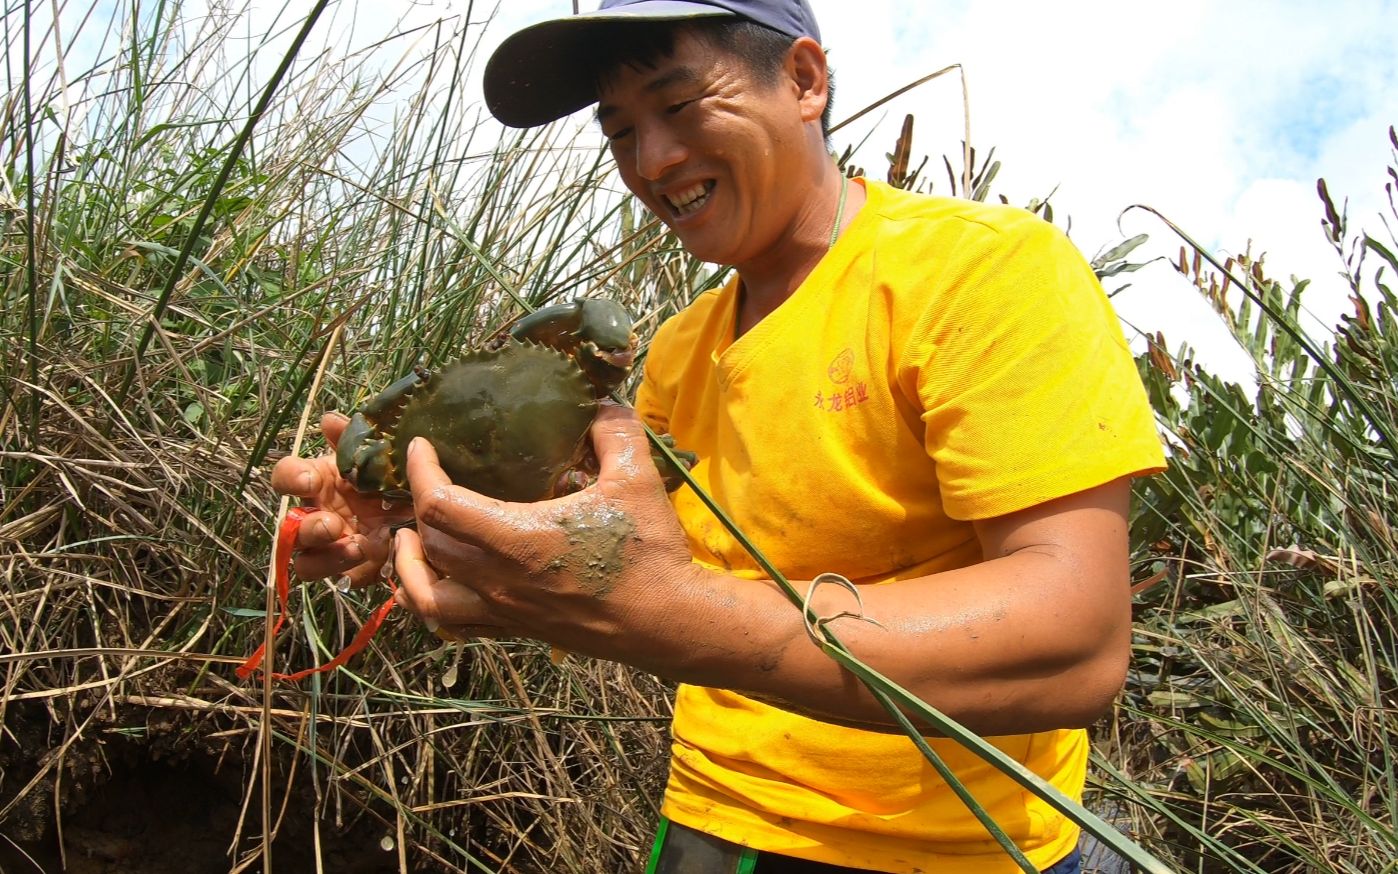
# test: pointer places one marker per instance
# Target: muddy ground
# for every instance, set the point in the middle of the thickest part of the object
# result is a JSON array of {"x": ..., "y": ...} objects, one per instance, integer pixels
[{"x": 151, "y": 793}]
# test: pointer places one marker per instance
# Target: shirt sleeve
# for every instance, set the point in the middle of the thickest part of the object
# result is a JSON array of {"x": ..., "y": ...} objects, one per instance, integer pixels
[
  {"x": 653, "y": 402},
  {"x": 1028, "y": 389}
]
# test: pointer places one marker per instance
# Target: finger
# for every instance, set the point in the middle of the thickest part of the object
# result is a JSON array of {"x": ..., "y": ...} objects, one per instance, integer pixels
[
  {"x": 306, "y": 477},
  {"x": 298, "y": 477},
  {"x": 415, "y": 576},
  {"x": 436, "y": 601},
  {"x": 356, "y": 556},
  {"x": 345, "y": 558},
  {"x": 449, "y": 554},
  {"x": 439, "y": 504},
  {"x": 620, "y": 442},
  {"x": 321, "y": 528},
  {"x": 332, "y": 425}
]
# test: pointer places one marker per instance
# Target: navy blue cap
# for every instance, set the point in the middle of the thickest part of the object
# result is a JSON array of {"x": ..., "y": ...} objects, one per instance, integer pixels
[{"x": 534, "y": 76}]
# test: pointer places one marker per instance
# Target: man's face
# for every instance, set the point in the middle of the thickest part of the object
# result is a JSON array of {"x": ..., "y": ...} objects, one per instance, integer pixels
[{"x": 710, "y": 148}]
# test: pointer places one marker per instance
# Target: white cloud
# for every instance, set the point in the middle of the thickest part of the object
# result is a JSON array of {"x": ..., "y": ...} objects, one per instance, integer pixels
[{"x": 1220, "y": 114}]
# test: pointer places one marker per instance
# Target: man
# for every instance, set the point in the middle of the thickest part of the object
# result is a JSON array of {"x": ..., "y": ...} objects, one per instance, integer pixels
[{"x": 928, "y": 396}]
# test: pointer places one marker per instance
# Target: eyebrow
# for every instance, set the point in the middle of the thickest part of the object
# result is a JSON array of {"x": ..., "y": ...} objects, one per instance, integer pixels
[{"x": 676, "y": 76}]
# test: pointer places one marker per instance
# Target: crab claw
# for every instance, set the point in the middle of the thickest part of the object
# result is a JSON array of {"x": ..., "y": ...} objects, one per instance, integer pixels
[
  {"x": 594, "y": 332},
  {"x": 363, "y": 456},
  {"x": 605, "y": 368}
]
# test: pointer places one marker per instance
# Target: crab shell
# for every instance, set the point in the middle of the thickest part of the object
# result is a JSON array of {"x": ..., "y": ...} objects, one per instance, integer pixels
[{"x": 511, "y": 420}]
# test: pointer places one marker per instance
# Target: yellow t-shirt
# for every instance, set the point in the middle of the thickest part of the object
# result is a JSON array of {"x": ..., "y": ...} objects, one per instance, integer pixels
[{"x": 946, "y": 361}]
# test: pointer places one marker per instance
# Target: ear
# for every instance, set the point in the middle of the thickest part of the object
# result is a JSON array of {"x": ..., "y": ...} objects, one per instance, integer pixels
[{"x": 805, "y": 64}]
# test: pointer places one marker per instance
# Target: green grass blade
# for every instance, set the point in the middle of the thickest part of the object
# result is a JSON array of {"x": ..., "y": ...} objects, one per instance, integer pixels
[
  {"x": 211, "y": 200},
  {"x": 1340, "y": 382}
]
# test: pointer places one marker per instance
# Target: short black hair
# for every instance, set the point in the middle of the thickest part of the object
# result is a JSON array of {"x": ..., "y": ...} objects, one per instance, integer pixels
[{"x": 642, "y": 44}]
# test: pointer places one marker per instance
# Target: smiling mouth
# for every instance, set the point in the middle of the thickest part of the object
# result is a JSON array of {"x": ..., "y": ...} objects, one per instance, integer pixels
[{"x": 691, "y": 199}]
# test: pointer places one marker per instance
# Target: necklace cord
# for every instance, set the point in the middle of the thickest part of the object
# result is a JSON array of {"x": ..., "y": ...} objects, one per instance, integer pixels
[{"x": 839, "y": 210}]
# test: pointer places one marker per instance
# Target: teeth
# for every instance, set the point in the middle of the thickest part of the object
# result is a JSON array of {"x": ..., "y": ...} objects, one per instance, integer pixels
[{"x": 690, "y": 199}]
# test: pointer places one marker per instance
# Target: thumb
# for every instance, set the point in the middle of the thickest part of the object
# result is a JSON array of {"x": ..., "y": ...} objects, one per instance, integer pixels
[
  {"x": 455, "y": 510},
  {"x": 619, "y": 439}
]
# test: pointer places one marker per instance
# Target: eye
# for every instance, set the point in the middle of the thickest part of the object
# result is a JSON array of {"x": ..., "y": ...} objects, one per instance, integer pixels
[
  {"x": 674, "y": 108},
  {"x": 617, "y": 135}
]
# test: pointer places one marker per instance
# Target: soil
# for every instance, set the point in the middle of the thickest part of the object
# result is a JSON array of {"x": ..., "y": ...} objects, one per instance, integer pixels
[{"x": 160, "y": 802}]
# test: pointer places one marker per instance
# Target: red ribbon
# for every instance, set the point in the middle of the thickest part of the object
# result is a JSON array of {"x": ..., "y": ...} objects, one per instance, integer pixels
[{"x": 286, "y": 540}]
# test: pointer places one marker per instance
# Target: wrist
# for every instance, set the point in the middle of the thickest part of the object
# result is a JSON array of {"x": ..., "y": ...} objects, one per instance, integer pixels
[
  {"x": 665, "y": 629},
  {"x": 712, "y": 629}
]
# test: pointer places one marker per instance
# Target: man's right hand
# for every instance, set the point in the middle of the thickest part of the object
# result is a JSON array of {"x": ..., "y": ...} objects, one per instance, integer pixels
[{"x": 347, "y": 534}]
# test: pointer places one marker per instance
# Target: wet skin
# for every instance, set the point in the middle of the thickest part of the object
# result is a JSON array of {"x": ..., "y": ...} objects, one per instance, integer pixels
[{"x": 575, "y": 571}]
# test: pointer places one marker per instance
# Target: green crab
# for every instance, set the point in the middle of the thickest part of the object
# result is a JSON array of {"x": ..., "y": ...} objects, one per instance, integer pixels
[{"x": 510, "y": 420}]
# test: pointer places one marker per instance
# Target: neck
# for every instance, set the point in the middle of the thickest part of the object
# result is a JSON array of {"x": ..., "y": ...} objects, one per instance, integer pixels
[{"x": 774, "y": 276}]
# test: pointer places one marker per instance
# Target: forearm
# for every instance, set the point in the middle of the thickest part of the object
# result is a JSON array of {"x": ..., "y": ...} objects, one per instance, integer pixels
[
  {"x": 1032, "y": 639},
  {"x": 1013, "y": 645}
]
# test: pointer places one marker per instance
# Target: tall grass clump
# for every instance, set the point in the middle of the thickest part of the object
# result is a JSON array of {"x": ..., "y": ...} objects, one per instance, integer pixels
[
  {"x": 155, "y": 365},
  {"x": 1260, "y": 728}
]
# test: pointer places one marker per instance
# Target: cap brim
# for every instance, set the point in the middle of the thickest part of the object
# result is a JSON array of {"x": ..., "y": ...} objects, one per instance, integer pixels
[{"x": 538, "y": 75}]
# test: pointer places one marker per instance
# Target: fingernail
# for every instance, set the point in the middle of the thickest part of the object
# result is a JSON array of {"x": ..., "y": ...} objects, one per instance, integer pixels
[
  {"x": 343, "y": 584},
  {"x": 431, "y": 625},
  {"x": 308, "y": 482},
  {"x": 412, "y": 446},
  {"x": 355, "y": 550}
]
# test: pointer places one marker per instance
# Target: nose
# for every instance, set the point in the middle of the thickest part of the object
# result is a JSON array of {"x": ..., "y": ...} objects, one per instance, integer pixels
[{"x": 657, "y": 150}]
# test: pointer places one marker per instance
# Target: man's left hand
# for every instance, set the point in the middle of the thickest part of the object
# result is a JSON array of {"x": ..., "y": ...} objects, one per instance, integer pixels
[{"x": 588, "y": 572}]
